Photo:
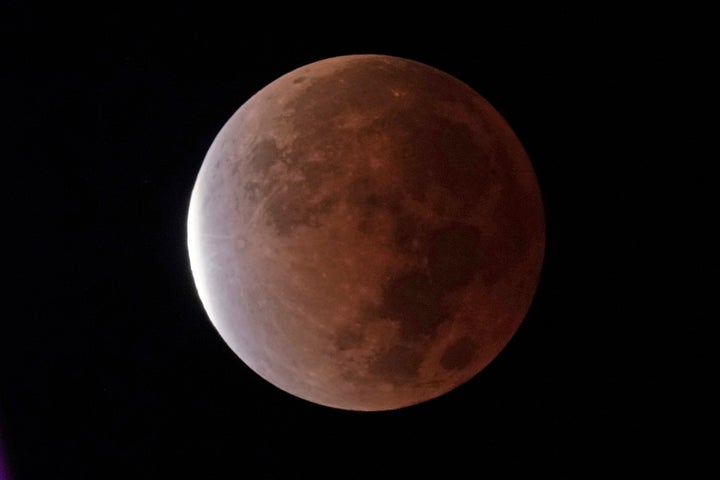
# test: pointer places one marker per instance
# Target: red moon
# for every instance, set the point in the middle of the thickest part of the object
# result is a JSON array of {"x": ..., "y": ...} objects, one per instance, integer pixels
[{"x": 366, "y": 232}]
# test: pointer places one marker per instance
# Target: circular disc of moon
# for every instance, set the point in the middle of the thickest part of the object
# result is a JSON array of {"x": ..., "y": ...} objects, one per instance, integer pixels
[{"x": 366, "y": 232}]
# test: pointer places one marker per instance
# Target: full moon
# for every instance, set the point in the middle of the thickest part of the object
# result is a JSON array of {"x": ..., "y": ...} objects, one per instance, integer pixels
[{"x": 366, "y": 232}]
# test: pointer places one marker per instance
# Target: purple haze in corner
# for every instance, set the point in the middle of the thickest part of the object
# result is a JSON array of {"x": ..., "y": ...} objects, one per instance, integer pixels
[{"x": 4, "y": 473}]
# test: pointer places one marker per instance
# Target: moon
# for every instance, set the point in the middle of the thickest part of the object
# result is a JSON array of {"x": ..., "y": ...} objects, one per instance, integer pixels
[{"x": 366, "y": 232}]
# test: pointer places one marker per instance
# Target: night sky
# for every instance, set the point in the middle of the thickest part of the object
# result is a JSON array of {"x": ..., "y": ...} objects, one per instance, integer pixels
[{"x": 109, "y": 366}]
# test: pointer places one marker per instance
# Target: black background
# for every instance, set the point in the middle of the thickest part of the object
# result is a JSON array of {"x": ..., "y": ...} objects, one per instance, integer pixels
[{"x": 109, "y": 365}]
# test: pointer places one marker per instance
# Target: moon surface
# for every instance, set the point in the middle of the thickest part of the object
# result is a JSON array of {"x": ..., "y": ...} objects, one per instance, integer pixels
[{"x": 366, "y": 232}]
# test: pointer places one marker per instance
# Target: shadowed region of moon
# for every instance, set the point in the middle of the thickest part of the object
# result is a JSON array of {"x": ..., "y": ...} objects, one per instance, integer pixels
[
  {"x": 458, "y": 354},
  {"x": 366, "y": 232}
]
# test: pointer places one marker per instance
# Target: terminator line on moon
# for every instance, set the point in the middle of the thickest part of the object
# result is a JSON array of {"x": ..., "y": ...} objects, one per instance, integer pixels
[{"x": 366, "y": 232}]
